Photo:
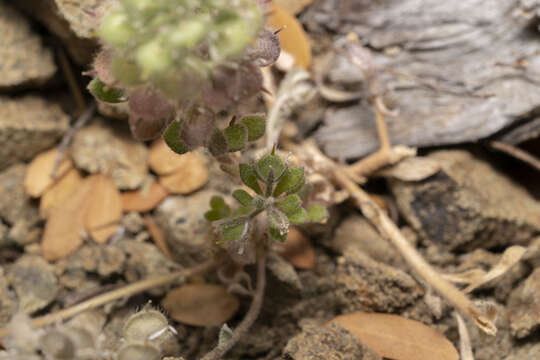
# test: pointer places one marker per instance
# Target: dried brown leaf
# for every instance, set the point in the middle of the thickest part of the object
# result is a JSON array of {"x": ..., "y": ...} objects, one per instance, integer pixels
[
  {"x": 293, "y": 6},
  {"x": 200, "y": 304},
  {"x": 65, "y": 225},
  {"x": 412, "y": 169},
  {"x": 398, "y": 338},
  {"x": 144, "y": 199},
  {"x": 297, "y": 250},
  {"x": 157, "y": 235},
  {"x": 38, "y": 174},
  {"x": 191, "y": 176},
  {"x": 292, "y": 38},
  {"x": 57, "y": 194},
  {"x": 104, "y": 208},
  {"x": 162, "y": 159}
]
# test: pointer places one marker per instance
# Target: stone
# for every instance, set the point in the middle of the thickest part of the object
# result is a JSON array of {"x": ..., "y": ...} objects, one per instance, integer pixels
[
  {"x": 524, "y": 306},
  {"x": 28, "y": 126},
  {"x": 25, "y": 62},
  {"x": 331, "y": 342},
  {"x": 8, "y": 300},
  {"x": 468, "y": 205},
  {"x": 363, "y": 284},
  {"x": 34, "y": 282},
  {"x": 107, "y": 147},
  {"x": 16, "y": 208},
  {"x": 528, "y": 351},
  {"x": 186, "y": 230}
]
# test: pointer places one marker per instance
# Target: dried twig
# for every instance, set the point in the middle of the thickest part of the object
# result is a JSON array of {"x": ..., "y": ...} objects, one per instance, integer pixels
[
  {"x": 517, "y": 153},
  {"x": 249, "y": 319},
  {"x": 122, "y": 292}
]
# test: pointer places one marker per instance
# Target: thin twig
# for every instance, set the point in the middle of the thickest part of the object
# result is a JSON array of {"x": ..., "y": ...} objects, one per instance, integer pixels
[
  {"x": 66, "y": 140},
  {"x": 126, "y": 291},
  {"x": 517, "y": 153},
  {"x": 71, "y": 79},
  {"x": 249, "y": 319},
  {"x": 390, "y": 231}
]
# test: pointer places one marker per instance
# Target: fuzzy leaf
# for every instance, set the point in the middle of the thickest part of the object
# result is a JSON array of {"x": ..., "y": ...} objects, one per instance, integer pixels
[
  {"x": 289, "y": 204},
  {"x": 172, "y": 138},
  {"x": 317, "y": 213},
  {"x": 219, "y": 209},
  {"x": 268, "y": 162},
  {"x": 255, "y": 125},
  {"x": 218, "y": 143},
  {"x": 234, "y": 232},
  {"x": 278, "y": 225},
  {"x": 291, "y": 182},
  {"x": 217, "y": 202},
  {"x": 299, "y": 216},
  {"x": 106, "y": 93},
  {"x": 213, "y": 215},
  {"x": 242, "y": 197},
  {"x": 248, "y": 176},
  {"x": 236, "y": 136}
]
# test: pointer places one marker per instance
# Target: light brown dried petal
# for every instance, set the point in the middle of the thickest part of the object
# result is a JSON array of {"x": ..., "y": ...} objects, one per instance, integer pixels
[{"x": 38, "y": 174}]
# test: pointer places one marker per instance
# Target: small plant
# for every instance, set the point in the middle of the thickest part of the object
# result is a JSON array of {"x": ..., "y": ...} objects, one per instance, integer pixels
[
  {"x": 280, "y": 192},
  {"x": 179, "y": 62}
]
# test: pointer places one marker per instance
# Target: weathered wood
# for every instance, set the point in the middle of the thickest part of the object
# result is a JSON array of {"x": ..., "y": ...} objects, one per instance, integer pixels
[{"x": 471, "y": 69}]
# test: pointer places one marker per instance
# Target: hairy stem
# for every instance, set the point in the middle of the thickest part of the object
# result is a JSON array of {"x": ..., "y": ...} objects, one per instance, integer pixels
[
  {"x": 249, "y": 319},
  {"x": 126, "y": 291}
]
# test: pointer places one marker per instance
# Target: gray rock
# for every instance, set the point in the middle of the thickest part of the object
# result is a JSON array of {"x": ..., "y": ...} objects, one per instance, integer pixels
[
  {"x": 468, "y": 205},
  {"x": 8, "y": 300},
  {"x": 107, "y": 147},
  {"x": 28, "y": 126},
  {"x": 25, "y": 62},
  {"x": 34, "y": 281},
  {"x": 465, "y": 62},
  {"x": 16, "y": 208},
  {"x": 331, "y": 342},
  {"x": 528, "y": 351},
  {"x": 524, "y": 306}
]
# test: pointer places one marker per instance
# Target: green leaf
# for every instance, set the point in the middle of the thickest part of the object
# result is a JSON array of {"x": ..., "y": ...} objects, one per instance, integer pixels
[
  {"x": 278, "y": 225},
  {"x": 106, "y": 93},
  {"x": 255, "y": 125},
  {"x": 299, "y": 216},
  {"x": 268, "y": 162},
  {"x": 248, "y": 176},
  {"x": 217, "y": 143},
  {"x": 291, "y": 182},
  {"x": 317, "y": 213},
  {"x": 289, "y": 204},
  {"x": 213, "y": 215},
  {"x": 217, "y": 202},
  {"x": 242, "y": 197},
  {"x": 219, "y": 209},
  {"x": 235, "y": 232},
  {"x": 236, "y": 136},
  {"x": 172, "y": 138}
]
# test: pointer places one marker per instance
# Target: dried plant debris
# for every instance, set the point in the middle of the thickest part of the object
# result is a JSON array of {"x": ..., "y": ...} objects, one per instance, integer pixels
[
  {"x": 327, "y": 342},
  {"x": 59, "y": 192},
  {"x": 25, "y": 62},
  {"x": 144, "y": 199},
  {"x": 297, "y": 250},
  {"x": 398, "y": 338},
  {"x": 34, "y": 282},
  {"x": 39, "y": 174},
  {"x": 485, "y": 75},
  {"x": 28, "y": 126},
  {"x": 524, "y": 306},
  {"x": 468, "y": 204},
  {"x": 104, "y": 148}
]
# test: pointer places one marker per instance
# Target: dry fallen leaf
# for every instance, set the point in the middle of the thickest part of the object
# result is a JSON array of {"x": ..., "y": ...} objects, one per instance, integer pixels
[
  {"x": 144, "y": 199},
  {"x": 162, "y": 160},
  {"x": 398, "y": 338},
  {"x": 191, "y": 176},
  {"x": 477, "y": 277},
  {"x": 38, "y": 174},
  {"x": 59, "y": 192},
  {"x": 65, "y": 225},
  {"x": 293, "y": 6},
  {"x": 297, "y": 250},
  {"x": 200, "y": 304},
  {"x": 104, "y": 209},
  {"x": 292, "y": 38},
  {"x": 412, "y": 169},
  {"x": 158, "y": 236}
]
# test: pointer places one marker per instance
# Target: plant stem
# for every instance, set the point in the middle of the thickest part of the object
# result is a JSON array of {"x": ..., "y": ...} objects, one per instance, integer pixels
[
  {"x": 249, "y": 319},
  {"x": 122, "y": 292}
]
